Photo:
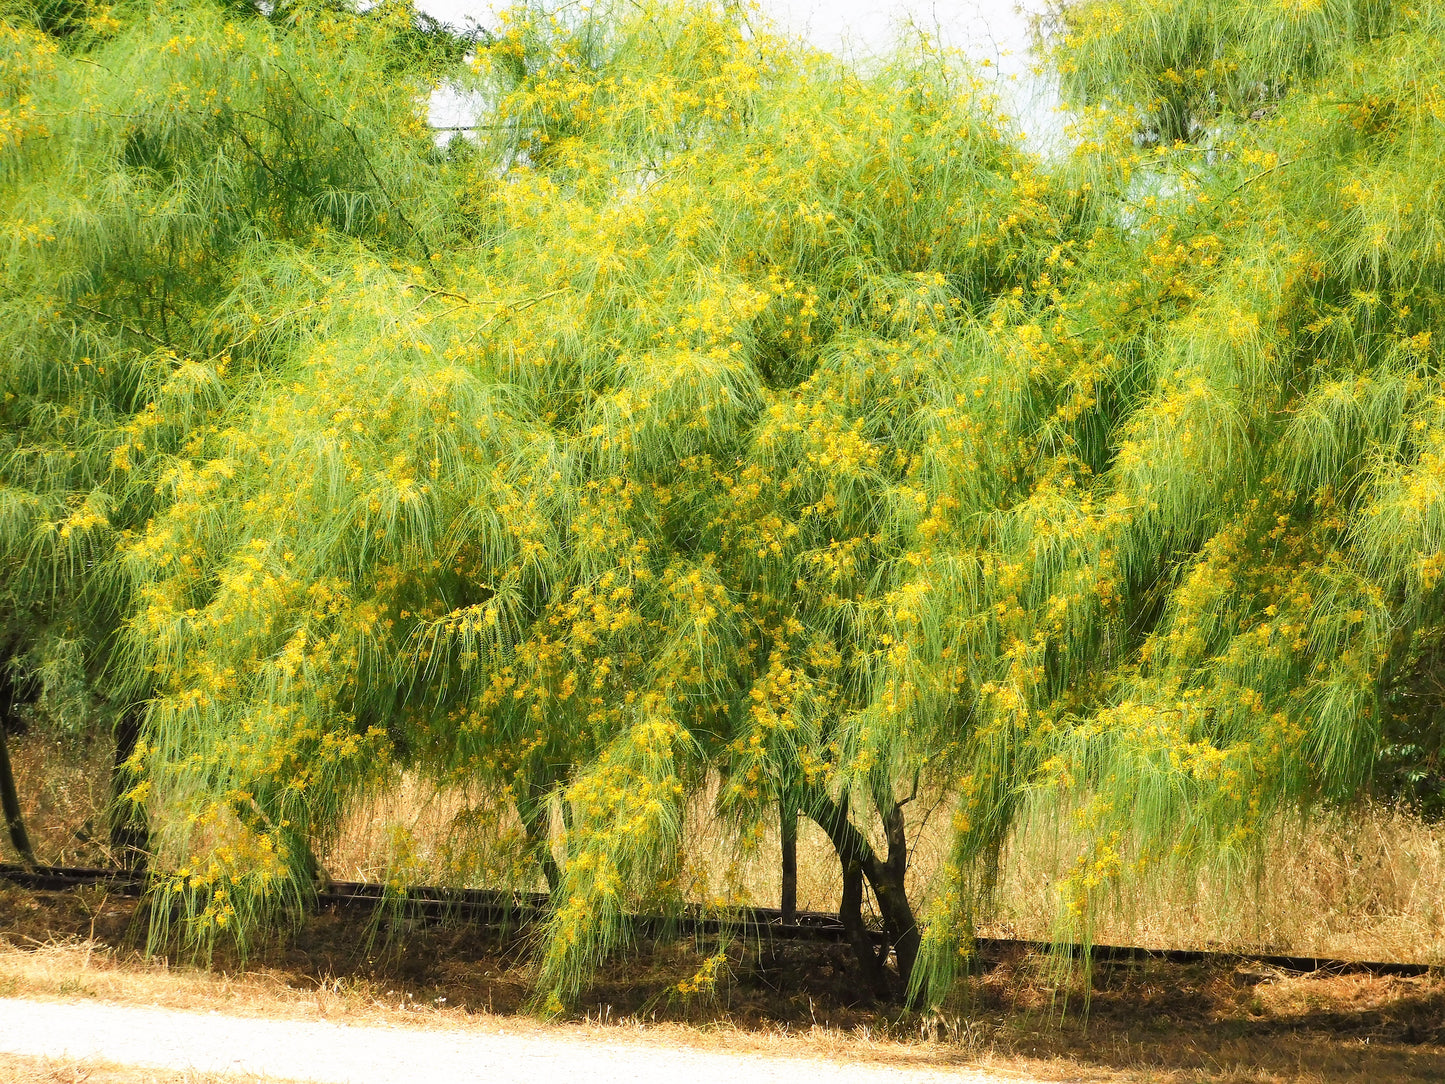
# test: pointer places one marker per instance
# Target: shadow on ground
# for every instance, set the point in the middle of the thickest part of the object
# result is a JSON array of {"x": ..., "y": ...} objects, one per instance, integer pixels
[{"x": 1153, "y": 1020}]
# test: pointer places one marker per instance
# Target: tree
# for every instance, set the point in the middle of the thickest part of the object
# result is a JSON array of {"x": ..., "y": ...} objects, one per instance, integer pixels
[
  {"x": 724, "y": 413},
  {"x": 1241, "y": 469},
  {"x": 160, "y": 166},
  {"x": 627, "y": 495}
]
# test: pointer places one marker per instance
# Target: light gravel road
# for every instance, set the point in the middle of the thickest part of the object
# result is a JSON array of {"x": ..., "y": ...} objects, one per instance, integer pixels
[{"x": 353, "y": 1054}]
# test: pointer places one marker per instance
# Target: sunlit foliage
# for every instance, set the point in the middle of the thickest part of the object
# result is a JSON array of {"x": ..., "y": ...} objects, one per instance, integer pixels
[
  {"x": 1256, "y": 460},
  {"x": 634, "y": 487},
  {"x": 718, "y": 416},
  {"x": 163, "y": 167}
]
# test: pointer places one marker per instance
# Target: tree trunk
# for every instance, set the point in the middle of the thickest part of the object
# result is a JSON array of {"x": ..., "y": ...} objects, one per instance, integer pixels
[
  {"x": 788, "y": 813},
  {"x": 850, "y": 912},
  {"x": 539, "y": 837},
  {"x": 889, "y": 886},
  {"x": 10, "y": 800},
  {"x": 885, "y": 877},
  {"x": 9, "y": 797},
  {"x": 855, "y": 855},
  {"x": 129, "y": 833}
]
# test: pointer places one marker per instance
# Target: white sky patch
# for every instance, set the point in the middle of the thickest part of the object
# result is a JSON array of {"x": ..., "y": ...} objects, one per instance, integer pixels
[{"x": 994, "y": 33}]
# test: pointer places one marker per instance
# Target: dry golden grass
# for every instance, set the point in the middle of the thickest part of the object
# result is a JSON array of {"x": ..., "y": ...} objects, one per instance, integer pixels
[
  {"x": 418, "y": 834},
  {"x": 1367, "y": 886},
  {"x": 1370, "y": 885},
  {"x": 64, "y": 787}
]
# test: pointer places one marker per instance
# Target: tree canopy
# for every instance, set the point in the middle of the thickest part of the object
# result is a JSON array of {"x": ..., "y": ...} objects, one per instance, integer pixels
[{"x": 719, "y": 416}]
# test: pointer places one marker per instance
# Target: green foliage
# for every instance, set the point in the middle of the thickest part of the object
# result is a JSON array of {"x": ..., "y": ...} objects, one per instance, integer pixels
[
  {"x": 721, "y": 416},
  {"x": 638, "y": 491},
  {"x": 161, "y": 167},
  {"x": 1270, "y": 395}
]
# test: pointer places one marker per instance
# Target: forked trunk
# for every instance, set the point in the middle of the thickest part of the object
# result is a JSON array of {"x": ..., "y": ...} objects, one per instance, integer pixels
[
  {"x": 887, "y": 879},
  {"x": 890, "y": 889}
]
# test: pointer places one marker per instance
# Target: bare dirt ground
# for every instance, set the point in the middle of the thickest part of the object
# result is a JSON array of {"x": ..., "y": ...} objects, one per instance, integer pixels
[
  {"x": 360, "y": 1054},
  {"x": 1152, "y": 1022},
  {"x": 18, "y": 1069}
]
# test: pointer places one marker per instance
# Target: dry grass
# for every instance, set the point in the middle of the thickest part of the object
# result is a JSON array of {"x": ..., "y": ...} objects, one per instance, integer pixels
[
  {"x": 64, "y": 787},
  {"x": 1367, "y": 886},
  {"x": 20, "y": 1070},
  {"x": 422, "y": 835}
]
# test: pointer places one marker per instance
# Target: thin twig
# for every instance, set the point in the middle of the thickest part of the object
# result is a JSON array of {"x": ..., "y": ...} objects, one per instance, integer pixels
[
  {"x": 438, "y": 292},
  {"x": 124, "y": 325},
  {"x": 512, "y": 309},
  {"x": 365, "y": 159},
  {"x": 1265, "y": 173}
]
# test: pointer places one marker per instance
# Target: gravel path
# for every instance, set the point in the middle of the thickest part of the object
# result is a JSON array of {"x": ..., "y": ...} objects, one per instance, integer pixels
[{"x": 351, "y": 1054}]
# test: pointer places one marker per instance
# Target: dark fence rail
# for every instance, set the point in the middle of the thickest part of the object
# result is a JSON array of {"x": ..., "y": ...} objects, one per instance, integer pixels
[{"x": 514, "y": 910}]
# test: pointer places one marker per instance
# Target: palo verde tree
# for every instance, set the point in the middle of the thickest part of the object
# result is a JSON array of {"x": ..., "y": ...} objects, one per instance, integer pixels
[
  {"x": 159, "y": 166},
  {"x": 639, "y": 486},
  {"x": 1224, "y": 581},
  {"x": 723, "y": 413}
]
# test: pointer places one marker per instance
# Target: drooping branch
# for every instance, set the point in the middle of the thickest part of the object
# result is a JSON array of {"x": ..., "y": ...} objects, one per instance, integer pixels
[{"x": 129, "y": 833}]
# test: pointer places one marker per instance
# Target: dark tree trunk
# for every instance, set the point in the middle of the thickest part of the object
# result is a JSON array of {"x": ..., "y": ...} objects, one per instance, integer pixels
[
  {"x": 885, "y": 877},
  {"x": 129, "y": 833},
  {"x": 539, "y": 838},
  {"x": 788, "y": 824},
  {"x": 850, "y": 912},
  {"x": 889, "y": 886},
  {"x": 9, "y": 797},
  {"x": 10, "y": 800},
  {"x": 854, "y": 854},
  {"x": 537, "y": 821}
]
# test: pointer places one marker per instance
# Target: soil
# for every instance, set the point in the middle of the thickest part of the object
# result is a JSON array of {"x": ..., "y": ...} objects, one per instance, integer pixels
[
  {"x": 323, "y": 1051},
  {"x": 1150, "y": 1021}
]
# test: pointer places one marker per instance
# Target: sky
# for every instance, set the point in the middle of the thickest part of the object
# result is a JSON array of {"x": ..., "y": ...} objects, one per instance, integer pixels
[{"x": 987, "y": 30}]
